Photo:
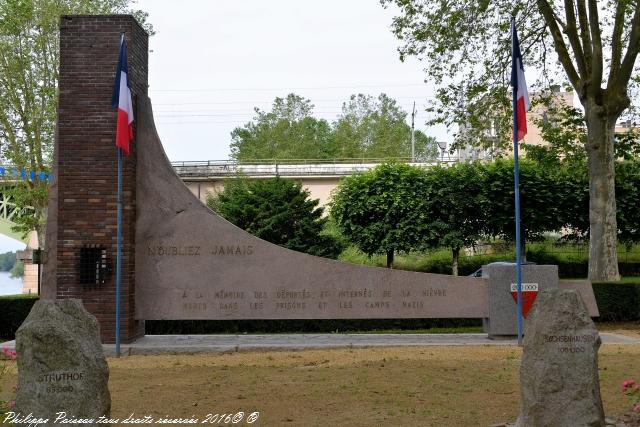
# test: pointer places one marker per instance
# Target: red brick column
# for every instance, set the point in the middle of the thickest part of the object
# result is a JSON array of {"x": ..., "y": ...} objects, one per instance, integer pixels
[{"x": 86, "y": 165}]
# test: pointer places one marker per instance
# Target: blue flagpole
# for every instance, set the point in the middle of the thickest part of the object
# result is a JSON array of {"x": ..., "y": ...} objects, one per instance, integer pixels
[
  {"x": 119, "y": 252},
  {"x": 516, "y": 179}
]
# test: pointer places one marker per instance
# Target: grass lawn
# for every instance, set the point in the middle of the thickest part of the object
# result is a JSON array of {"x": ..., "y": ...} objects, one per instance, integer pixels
[{"x": 420, "y": 386}]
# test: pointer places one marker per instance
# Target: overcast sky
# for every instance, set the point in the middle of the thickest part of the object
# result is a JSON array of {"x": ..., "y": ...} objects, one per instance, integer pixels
[{"x": 212, "y": 62}]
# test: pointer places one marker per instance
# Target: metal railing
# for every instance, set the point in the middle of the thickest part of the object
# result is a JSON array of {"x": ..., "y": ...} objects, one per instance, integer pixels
[{"x": 287, "y": 167}]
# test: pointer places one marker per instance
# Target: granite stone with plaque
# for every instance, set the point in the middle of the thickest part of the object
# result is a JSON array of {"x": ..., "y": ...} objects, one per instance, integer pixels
[
  {"x": 559, "y": 371},
  {"x": 62, "y": 370}
]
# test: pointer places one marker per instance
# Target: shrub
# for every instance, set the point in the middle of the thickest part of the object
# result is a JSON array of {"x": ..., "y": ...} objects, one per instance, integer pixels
[
  {"x": 279, "y": 211},
  {"x": 618, "y": 301},
  {"x": 162, "y": 327}
]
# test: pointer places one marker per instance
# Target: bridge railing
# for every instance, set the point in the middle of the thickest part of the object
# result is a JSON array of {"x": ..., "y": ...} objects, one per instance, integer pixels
[{"x": 287, "y": 167}]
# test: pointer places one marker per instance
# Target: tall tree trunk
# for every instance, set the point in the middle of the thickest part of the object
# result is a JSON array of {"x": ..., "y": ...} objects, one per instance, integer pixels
[
  {"x": 603, "y": 229},
  {"x": 455, "y": 252},
  {"x": 390, "y": 259}
]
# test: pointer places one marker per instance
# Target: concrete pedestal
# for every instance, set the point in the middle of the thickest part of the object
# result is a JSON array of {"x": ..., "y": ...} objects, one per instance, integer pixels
[{"x": 502, "y": 320}]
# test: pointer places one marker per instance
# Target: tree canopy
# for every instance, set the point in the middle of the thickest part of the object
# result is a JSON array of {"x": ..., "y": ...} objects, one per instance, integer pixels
[
  {"x": 376, "y": 128},
  {"x": 380, "y": 211},
  {"x": 367, "y": 127},
  {"x": 29, "y": 62},
  {"x": 465, "y": 47},
  {"x": 278, "y": 211},
  {"x": 288, "y": 131},
  {"x": 457, "y": 206},
  {"x": 398, "y": 208}
]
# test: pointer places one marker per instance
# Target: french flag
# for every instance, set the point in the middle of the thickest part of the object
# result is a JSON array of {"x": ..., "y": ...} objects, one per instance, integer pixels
[
  {"x": 519, "y": 84},
  {"x": 121, "y": 100}
]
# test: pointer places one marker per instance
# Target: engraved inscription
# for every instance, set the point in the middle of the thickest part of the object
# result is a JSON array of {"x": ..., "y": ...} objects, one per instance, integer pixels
[
  {"x": 412, "y": 304},
  {"x": 59, "y": 382},
  {"x": 323, "y": 300},
  {"x": 226, "y": 294},
  {"x": 304, "y": 301},
  {"x": 297, "y": 295},
  {"x": 172, "y": 250},
  {"x": 194, "y": 306},
  {"x": 569, "y": 343},
  {"x": 232, "y": 250},
  {"x": 229, "y": 299},
  {"x": 357, "y": 293},
  {"x": 434, "y": 292},
  {"x": 291, "y": 305},
  {"x": 377, "y": 304},
  {"x": 228, "y": 306}
]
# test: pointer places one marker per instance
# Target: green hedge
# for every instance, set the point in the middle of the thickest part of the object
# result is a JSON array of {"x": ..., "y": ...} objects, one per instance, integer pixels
[
  {"x": 567, "y": 269},
  {"x": 167, "y": 327},
  {"x": 617, "y": 301},
  {"x": 572, "y": 265},
  {"x": 13, "y": 310}
]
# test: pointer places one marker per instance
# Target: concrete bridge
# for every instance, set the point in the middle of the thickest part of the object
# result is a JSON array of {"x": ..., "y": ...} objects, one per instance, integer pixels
[{"x": 206, "y": 178}]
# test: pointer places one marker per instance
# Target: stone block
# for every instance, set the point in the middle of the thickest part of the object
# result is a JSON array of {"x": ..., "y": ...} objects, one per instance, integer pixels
[
  {"x": 61, "y": 364},
  {"x": 559, "y": 371},
  {"x": 502, "y": 320}
]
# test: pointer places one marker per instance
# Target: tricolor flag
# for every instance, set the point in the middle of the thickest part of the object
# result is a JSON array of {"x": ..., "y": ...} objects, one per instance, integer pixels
[
  {"x": 519, "y": 84},
  {"x": 122, "y": 101}
]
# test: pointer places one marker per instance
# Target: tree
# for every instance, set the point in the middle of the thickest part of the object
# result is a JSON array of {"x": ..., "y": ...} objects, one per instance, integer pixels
[
  {"x": 288, "y": 131},
  {"x": 367, "y": 127},
  {"x": 29, "y": 61},
  {"x": 549, "y": 199},
  {"x": 563, "y": 130},
  {"x": 17, "y": 270},
  {"x": 377, "y": 128},
  {"x": 380, "y": 211},
  {"x": 466, "y": 49},
  {"x": 7, "y": 261},
  {"x": 457, "y": 207},
  {"x": 426, "y": 147},
  {"x": 278, "y": 211}
]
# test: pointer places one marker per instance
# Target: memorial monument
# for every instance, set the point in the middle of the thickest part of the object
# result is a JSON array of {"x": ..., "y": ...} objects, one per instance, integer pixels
[{"x": 180, "y": 259}]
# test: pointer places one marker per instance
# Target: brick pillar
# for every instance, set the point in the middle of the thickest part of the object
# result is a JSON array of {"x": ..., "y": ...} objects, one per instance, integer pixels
[{"x": 86, "y": 165}]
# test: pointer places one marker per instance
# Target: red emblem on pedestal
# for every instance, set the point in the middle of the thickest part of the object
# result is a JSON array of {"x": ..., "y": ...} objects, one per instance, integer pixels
[{"x": 529, "y": 294}]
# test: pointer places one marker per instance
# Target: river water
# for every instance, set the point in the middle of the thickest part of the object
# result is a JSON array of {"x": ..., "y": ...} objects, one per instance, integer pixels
[{"x": 9, "y": 286}]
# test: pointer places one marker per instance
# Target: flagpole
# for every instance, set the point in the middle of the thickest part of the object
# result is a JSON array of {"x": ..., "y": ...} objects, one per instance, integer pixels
[
  {"x": 119, "y": 252},
  {"x": 516, "y": 179}
]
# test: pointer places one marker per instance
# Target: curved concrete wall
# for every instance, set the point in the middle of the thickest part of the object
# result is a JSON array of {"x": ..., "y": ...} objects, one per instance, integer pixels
[{"x": 193, "y": 264}]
